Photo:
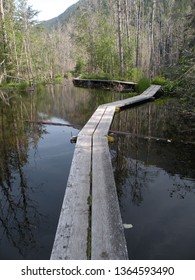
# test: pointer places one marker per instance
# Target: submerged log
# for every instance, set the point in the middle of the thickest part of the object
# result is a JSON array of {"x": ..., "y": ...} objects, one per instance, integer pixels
[
  {"x": 140, "y": 136},
  {"x": 146, "y": 137}
]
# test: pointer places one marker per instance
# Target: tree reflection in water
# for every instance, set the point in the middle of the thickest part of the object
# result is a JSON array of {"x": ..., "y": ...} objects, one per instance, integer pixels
[
  {"x": 155, "y": 181},
  {"x": 35, "y": 162},
  {"x": 19, "y": 215}
]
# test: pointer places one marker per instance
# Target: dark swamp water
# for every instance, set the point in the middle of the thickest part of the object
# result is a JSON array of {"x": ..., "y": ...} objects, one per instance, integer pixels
[
  {"x": 154, "y": 170},
  {"x": 34, "y": 164},
  {"x": 155, "y": 179}
]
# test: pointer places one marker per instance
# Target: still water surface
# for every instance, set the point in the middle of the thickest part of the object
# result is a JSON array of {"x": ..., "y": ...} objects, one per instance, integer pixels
[
  {"x": 155, "y": 179},
  {"x": 154, "y": 169},
  {"x": 35, "y": 162}
]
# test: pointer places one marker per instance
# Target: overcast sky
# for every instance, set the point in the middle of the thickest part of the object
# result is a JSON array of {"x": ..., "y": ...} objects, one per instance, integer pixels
[{"x": 50, "y": 8}]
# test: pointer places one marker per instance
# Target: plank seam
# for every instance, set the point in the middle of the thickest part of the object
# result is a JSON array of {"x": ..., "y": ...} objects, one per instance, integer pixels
[{"x": 86, "y": 135}]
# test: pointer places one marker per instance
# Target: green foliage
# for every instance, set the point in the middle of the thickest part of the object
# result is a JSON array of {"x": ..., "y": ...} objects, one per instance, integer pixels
[
  {"x": 136, "y": 75},
  {"x": 86, "y": 35},
  {"x": 170, "y": 88},
  {"x": 103, "y": 76},
  {"x": 67, "y": 75},
  {"x": 23, "y": 86},
  {"x": 160, "y": 80},
  {"x": 80, "y": 65},
  {"x": 58, "y": 79},
  {"x": 96, "y": 76},
  {"x": 40, "y": 87},
  {"x": 143, "y": 84}
]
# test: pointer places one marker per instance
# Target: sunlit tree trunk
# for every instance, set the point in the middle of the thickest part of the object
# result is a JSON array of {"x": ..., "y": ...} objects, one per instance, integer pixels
[
  {"x": 121, "y": 63},
  {"x": 128, "y": 35},
  {"x": 138, "y": 23},
  {"x": 4, "y": 34},
  {"x": 152, "y": 48}
]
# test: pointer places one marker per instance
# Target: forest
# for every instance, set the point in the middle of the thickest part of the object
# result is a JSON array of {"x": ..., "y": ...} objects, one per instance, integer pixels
[
  {"x": 125, "y": 39},
  {"x": 141, "y": 41}
]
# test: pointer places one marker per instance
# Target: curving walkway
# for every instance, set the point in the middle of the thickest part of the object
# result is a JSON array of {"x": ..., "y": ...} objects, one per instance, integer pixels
[{"x": 90, "y": 225}]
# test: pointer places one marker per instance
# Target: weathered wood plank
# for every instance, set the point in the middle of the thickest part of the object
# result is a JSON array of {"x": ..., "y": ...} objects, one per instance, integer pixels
[
  {"x": 146, "y": 95},
  {"x": 104, "y": 81},
  {"x": 71, "y": 241},
  {"x": 106, "y": 84},
  {"x": 105, "y": 122},
  {"x": 151, "y": 91},
  {"x": 93, "y": 122},
  {"x": 108, "y": 241},
  {"x": 91, "y": 166},
  {"x": 128, "y": 101}
]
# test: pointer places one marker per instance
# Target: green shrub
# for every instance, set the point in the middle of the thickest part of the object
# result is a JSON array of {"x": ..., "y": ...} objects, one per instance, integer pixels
[
  {"x": 22, "y": 86},
  {"x": 96, "y": 76},
  {"x": 67, "y": 75},
  {"x": 159, "y": 80},
  {"x": 136, "y": 75},
  {"x": 143, "y": 84},
  {"x": 80, "y": 65},
  {"x": 168, "y": 87},
  {"x": 58, "y": 79}
]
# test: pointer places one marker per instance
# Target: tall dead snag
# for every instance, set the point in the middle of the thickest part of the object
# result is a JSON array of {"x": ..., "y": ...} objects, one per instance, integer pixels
[
  {"x": 138, "y": 24},
  {"x": 121, "y": 63},
  {"x": 4, "y": 33},
  {"x": 127, "y": 7},
  {"x": 152, "y": 53}
]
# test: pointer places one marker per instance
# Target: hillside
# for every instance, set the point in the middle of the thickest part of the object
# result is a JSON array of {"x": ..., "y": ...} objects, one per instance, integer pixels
[
  {"x": 75, "y": 11},
  {"x": 62, "y": 18}
]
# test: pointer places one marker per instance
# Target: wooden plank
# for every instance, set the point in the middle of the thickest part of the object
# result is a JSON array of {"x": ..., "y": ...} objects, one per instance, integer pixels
[
  {"x": 93, "y": 122},
  {"x": 71, "y": 241},
  {"x": 92, "y": 164},
  {"x": 151, "y": 91},
  {"x": 128, "y": 101},
  {"x": 105, "y": 122},
  {"x": 146, "y": 95},
  {"x": 108, "y": 241},
  {"x": 147, "y": 91},
  {"x": 104, "y": 81}
]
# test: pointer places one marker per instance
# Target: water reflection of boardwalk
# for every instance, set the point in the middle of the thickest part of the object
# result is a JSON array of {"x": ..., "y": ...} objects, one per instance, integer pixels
[{"x": 90, "y": 225}]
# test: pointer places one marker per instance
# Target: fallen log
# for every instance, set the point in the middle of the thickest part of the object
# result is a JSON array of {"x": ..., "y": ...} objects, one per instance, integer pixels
[
  {"x": 150, "y": 137},
  {"x": 140, "y": 136},
  {"x": 17, "y": 78}
]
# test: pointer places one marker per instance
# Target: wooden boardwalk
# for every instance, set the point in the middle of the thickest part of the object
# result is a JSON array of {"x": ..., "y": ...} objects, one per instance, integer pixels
[
  {"x": 106, "y": 84},
  {"x": 90, "y": 225}
]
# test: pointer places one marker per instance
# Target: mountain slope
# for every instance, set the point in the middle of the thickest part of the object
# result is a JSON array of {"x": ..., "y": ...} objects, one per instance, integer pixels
[
  {"x": 76, "y": 10},
  {"x": 63, "y": 18}
]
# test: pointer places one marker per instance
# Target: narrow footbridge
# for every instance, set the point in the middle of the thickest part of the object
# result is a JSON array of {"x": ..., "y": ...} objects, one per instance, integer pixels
[{"x": 90, "y": 225}]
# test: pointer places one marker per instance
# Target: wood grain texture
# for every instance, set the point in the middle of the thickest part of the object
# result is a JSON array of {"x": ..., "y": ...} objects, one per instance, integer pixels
[
  {"x": 71, "y": 241},
  {"x": 108, "y": 241},
  {"x": 91, "y": 178}
]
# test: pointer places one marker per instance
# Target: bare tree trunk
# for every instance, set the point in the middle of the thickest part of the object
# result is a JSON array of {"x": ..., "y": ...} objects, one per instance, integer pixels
[
  {"x": 152, "y": 53},
  {"x": 127, "y": 25},
  {"x": 121, "y": 63},
  {"x": 15, "y": 50},
  {"x": 4, "y": 33},
  {"x": 28, "y": 48},
  {"x": 137, "y": 60}
]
